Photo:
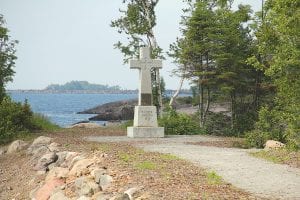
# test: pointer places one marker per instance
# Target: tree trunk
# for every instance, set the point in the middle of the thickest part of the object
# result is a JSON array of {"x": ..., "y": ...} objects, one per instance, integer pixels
[
  {"x": 207, "y": 106},
  {"x": 232, "y": 111},
  {"x": 175, "y": 95},
  {"x": 153, "y": 44}
]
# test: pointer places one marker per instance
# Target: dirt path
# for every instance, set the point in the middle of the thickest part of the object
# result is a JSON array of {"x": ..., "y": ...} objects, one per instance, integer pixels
[{"x": 235, "y": 166}]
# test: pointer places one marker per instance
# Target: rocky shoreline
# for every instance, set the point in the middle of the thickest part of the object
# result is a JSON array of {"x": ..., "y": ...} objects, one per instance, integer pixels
[{"x": 114, "y": 111}]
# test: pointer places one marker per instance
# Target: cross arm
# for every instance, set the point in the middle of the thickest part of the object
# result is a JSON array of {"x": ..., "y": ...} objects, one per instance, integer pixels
[
  {"x": 135, "y": 64},
  {"x": 157, "y": 64}
]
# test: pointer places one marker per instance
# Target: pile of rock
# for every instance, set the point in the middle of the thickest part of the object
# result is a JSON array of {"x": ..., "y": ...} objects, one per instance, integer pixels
[{"x": 71, "y": 175}]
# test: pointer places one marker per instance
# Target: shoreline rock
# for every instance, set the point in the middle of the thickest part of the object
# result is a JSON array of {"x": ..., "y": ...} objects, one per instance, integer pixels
[{"x": 113, "y": 111}]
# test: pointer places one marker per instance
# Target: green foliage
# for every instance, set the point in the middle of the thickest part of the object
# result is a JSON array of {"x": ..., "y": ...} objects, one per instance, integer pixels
[
  {"x": 137, "y": 22},
  {"x": 218, "y": 124},
  {"x": 17, "y": 119},
  {"x": 268, "y": 127},
  {"x": 81, "y": 85},
  {"x": 40, "y": 122},
  {"x": 179, "y": 124},
  {"x": 278, "y": 44},
  {"x": 213, "y": 178},
  {"x": 14, "y": 118},
  {"x": 7, "y": 57}
]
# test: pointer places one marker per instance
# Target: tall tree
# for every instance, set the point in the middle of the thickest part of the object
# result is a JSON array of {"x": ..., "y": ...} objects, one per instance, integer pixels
[
  {"x": 278, "y": 42},
  {"x": 236, "y": 77},
  {"x": 197, "y": 53},
  {"x": 137, "y": 22},
  {"x": 7, "y": 57}
]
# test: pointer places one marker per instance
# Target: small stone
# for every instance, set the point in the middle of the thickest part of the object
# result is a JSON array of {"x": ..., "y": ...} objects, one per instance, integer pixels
[
  {"x": 81, "y": 167},
  {"x": 61, "y": 158},
  {"x": 131, "y": 192},
  {"x": 59, "y": 195},
  {"x": 97, "y": 173},
  {"x": 46, "y": 160},
  {"x": 86, "y": 186},
  {"x": 57, "y": 172},
  {"x": 105, "y": 181},
  {"x": 2, "y": 151},
  {"x": 9, "y": 188},
  {"x": 16, "y": 146}
]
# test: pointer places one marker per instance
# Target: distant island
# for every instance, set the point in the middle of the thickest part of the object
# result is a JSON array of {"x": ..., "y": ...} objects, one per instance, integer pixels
[{"x": 82, "y": 85}]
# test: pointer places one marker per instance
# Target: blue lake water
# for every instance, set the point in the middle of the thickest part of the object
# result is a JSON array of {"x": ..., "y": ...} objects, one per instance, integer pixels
[{"x": 61, "y": 109}]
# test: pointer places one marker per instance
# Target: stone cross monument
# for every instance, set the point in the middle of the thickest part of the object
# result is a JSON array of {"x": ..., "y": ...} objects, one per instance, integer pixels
[{"x": 145, "y": 114}]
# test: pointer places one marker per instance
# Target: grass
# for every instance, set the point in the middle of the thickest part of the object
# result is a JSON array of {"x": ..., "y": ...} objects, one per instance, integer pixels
[
  {"x": 41, "y": 122},
  {"x": 125, "y": 157},
  {"x": 213, "y": 178},
  {"x": 280, "y": 156},
  {"x": 146, "y": 165},
  {"x": 168, "y": 157}
]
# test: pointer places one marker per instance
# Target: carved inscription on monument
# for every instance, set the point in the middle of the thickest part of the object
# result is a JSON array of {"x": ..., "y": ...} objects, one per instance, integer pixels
[{"x": 147, "y": 114}]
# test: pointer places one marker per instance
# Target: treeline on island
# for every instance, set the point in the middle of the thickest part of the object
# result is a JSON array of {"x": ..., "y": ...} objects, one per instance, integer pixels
[{"x": 82, "y": 85}]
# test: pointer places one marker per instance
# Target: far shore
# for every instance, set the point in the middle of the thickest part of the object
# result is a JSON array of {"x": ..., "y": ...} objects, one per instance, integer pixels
[{"x": 168, "y": 92}]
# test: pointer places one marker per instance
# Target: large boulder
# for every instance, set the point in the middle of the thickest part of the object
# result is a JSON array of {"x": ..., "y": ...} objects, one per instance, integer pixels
[
  {"x": 119, "y": 110},
  {"x": 16, "y": 146},
  {"x": 272, "y": 144}
]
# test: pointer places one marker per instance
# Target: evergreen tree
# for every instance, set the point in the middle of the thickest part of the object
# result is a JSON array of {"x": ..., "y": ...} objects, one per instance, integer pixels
[
  {"x": 7, "y": 57},
  {"x": 278, "y": 43}
]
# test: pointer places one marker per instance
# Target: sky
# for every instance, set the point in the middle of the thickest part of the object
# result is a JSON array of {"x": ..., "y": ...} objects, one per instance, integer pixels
[{"x": 65, "y": 40}]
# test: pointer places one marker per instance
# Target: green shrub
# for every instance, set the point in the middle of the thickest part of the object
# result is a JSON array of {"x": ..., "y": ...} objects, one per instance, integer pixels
[
  {"x": 268, "y": 127},
  {"x": 179, "y": 124},
  {"x": 218, "y": 124},
  {"x": 17, "y": 119},
  {"x": 14, "y": 118}
]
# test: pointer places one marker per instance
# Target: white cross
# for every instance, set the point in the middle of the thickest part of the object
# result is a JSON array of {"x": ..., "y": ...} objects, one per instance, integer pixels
[{"x": 145, "y": 64}]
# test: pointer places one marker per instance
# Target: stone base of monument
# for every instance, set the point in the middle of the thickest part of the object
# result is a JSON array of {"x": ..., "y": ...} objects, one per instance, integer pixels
[
  {"x": 145, "y": 123},
  {"x": 145, "y": 132}
]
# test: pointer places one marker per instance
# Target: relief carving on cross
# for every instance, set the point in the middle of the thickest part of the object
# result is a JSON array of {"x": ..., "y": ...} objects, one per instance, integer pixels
[{"x": 145, "y": 64}]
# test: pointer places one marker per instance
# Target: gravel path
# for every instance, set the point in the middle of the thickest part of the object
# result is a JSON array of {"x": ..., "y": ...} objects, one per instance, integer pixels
[{"x": 236, "y": 166}]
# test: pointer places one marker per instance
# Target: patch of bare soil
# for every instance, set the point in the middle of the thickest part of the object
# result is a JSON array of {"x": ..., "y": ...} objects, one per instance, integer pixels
[
  {"x": 17, "y": 178},
  {"x": 162, "y": 176}
]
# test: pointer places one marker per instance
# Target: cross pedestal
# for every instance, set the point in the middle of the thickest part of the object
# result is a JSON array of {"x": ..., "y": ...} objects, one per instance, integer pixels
[{"x": 145, "y": 115}]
